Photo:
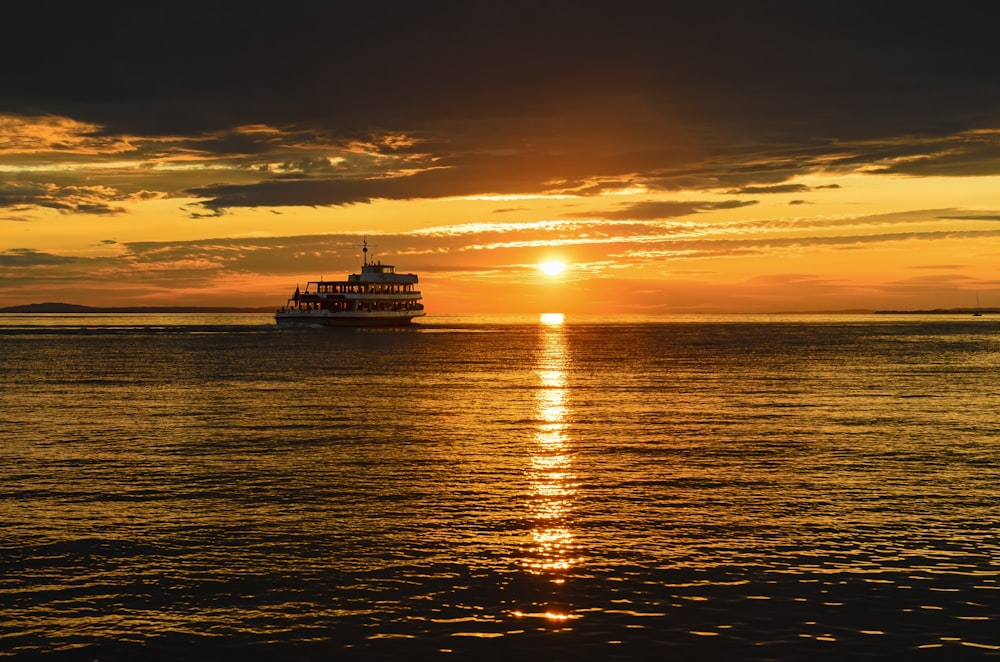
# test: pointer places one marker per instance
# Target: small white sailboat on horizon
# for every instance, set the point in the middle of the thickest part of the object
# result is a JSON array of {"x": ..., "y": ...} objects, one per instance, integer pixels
[{"x": 977, "y": 312}]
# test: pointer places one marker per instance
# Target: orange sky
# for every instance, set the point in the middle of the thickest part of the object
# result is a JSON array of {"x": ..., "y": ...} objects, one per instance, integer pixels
[{"x": 725, "y": 181}]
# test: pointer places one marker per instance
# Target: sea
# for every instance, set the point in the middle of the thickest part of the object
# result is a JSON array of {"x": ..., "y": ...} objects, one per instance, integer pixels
[{"x": 768, "y": 487}]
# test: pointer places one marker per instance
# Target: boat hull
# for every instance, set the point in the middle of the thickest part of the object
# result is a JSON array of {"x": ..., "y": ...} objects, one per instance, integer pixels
[{"x": 325, "y": 318}]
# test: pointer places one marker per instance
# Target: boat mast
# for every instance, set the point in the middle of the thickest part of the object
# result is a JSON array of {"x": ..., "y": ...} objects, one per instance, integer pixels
[{"x": 364, "y": 251}]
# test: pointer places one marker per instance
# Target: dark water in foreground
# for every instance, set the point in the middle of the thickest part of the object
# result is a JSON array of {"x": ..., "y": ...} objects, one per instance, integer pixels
[{"x": 183, "y": 487}]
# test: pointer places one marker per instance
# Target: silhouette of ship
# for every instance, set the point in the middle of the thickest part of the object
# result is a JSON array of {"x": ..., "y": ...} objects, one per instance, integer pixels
[{"x": 378, "y": 296}]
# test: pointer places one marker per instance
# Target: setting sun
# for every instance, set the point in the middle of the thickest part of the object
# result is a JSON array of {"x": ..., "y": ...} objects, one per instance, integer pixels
[{"x": 552, "y": 268}]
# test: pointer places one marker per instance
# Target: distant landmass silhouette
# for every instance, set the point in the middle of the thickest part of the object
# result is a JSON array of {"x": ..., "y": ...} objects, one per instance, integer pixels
[
  {"x": 941, "y": 311},
  {"x": 75, "y": 308}
]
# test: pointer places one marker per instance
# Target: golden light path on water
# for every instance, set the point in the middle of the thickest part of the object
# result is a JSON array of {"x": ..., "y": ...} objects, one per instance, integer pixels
[{"x": 553, "y": 482}]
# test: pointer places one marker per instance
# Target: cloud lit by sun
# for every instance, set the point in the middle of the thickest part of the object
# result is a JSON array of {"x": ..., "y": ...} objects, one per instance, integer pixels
[{"x": 552, "y": 267}]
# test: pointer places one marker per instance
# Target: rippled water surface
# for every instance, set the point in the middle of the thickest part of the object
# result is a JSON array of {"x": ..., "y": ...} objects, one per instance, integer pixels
[{"x": 700, "y": 488}]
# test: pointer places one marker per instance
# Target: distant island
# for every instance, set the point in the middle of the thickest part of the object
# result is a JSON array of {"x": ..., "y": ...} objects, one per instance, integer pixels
[
  {"x": 941, "y": 311},
  {"x": 74, "y": 308}
]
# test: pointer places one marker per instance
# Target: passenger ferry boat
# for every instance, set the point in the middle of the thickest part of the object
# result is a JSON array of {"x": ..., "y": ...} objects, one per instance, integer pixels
[{"x": 378, "y": 296}]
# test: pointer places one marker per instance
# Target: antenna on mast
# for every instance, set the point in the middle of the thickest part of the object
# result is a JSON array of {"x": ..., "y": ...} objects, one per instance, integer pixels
[{"x": 364, "y": 251}]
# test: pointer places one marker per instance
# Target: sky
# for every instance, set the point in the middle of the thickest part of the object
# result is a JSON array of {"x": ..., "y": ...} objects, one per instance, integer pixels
[{"x": 709, "y": 157}]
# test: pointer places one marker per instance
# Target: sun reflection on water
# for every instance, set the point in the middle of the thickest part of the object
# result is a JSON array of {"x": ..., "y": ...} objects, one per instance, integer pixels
[{"x": 551, "y": 469}]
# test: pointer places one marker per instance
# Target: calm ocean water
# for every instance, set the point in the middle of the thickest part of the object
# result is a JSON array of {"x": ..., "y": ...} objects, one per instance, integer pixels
[{"x": 755, "y": 488}]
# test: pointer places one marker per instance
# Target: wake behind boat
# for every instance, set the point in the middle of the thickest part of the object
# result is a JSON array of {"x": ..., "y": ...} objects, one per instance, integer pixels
[{"x": 378, "y": 296}]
